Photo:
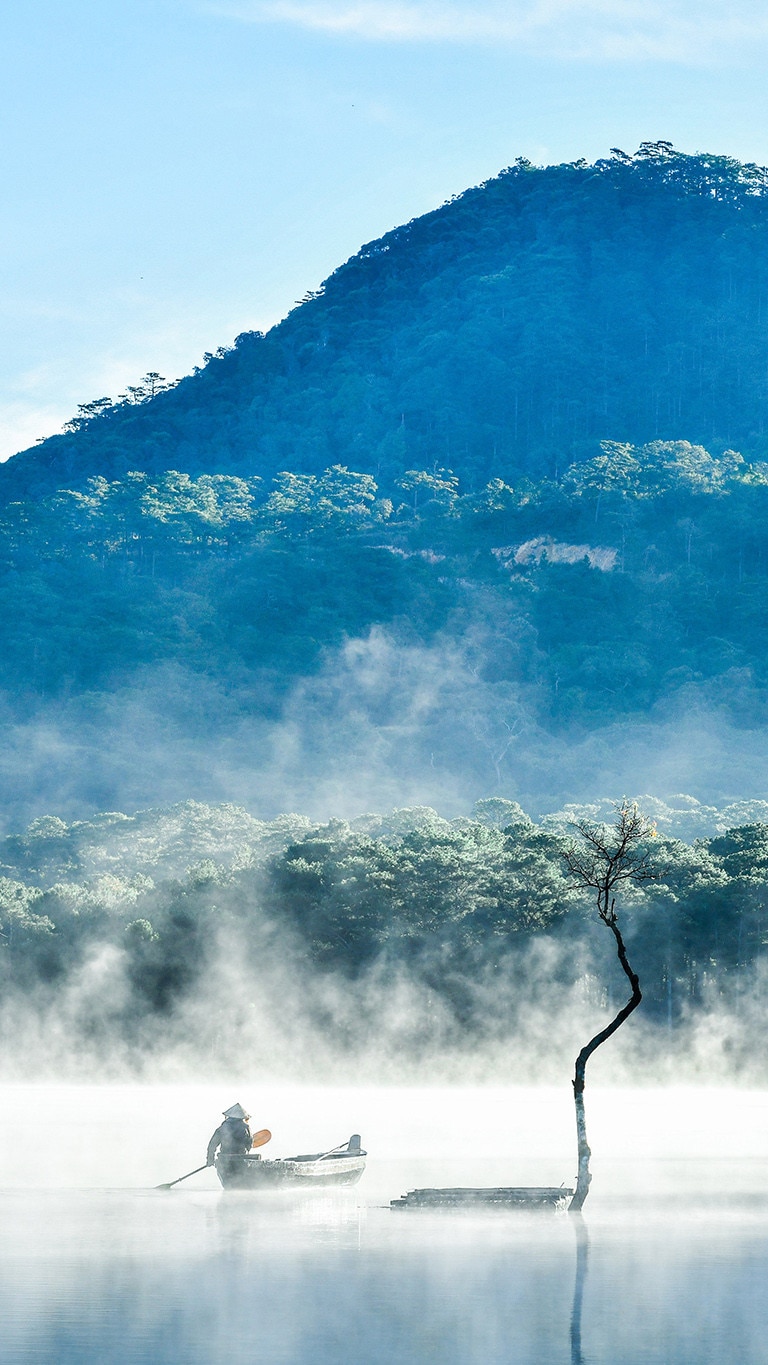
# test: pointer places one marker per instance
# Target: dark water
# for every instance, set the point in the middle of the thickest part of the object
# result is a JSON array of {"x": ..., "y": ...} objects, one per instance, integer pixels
[
  {"x": 670, "y": 1266},
  {"x": 205, "y": 1277}
]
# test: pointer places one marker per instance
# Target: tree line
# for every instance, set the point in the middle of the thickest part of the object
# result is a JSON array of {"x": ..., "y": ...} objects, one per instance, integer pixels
[{"x": 452, "y": 904}]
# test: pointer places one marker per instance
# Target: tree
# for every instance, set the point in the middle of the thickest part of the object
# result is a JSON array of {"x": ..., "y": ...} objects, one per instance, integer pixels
[
  {"x": 604, "y": 858},
  {"x": 440, "y": 486},
  {"x": 615, "y": 471},
  {"x": 87, "y": 412}
]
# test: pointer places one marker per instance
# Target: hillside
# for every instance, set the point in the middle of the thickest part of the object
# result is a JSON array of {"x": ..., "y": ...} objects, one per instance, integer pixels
[
  {"x": 487, "y": 516},
  {"x": 318, "y": 646},
  {"x": 506, "y": 333}
]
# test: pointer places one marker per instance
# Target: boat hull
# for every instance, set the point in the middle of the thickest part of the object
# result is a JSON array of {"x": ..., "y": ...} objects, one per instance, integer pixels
[{"x": 253, "y": 1173}]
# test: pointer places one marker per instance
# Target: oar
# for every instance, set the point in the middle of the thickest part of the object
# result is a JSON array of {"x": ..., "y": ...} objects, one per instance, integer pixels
[
  {"x": 260, "y": 1139},
  {"x": 171, "y": 1183},
  {"x": 342, "y": 1147}
]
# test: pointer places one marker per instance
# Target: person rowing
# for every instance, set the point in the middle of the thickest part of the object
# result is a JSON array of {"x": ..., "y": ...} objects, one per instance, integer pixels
[
  {"x": 233, "y": 1141},
  {"x": 233, "y": 1138}
]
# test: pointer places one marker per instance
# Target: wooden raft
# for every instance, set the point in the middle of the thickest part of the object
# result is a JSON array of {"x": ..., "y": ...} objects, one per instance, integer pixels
[{"x": 519, "y": 1197}]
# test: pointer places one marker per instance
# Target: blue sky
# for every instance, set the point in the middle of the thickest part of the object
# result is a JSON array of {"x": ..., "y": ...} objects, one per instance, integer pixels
[{"x": 177, "y": 171}]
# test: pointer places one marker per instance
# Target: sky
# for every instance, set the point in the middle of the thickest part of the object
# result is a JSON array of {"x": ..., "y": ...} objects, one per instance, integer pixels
[{"x": 175, "y": 172}]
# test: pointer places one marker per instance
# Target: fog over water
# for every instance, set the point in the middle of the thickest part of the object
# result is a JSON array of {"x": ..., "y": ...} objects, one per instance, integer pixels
[
  {"x": 668, "y": 1268},
  {"x": 96, "y": 1265}
]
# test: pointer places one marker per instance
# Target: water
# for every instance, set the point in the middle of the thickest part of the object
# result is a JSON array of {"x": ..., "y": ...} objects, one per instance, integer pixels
[{"x": 670, "y": 1266}]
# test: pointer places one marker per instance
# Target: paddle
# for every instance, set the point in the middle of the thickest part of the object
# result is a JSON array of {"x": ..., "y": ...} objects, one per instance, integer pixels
[
  {"x": 171, "y": 1183},
  {"x": 259, "y": 1140}
]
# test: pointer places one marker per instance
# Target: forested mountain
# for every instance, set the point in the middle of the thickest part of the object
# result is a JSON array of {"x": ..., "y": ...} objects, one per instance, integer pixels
[
  {"x": 506, "y": 333},
  {"x": 481, "y": 526},
  {"x": 486, "y": 516}
]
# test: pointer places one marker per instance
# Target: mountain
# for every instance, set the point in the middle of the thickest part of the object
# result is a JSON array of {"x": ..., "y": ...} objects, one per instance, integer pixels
[
  {"x": 506, "y": 333},
  {"x": 486, "y": 517}
]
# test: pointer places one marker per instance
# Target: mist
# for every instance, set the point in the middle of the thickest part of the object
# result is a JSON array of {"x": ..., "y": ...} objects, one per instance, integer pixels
[
  {"x": 381, "y": 724},
  {"x": 96, "y": 1265},
  {"x": 169, "y": 772},
  {"x": 252, "y": 1002},
  {"x": 456, "y": 1072}
]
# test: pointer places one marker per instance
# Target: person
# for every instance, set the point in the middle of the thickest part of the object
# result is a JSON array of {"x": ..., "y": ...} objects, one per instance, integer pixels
[{"x": 233, "y": 1136}]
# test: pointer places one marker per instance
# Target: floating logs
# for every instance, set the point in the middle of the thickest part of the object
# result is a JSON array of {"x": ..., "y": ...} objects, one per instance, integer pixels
[{"x": 519, "y": 1197}]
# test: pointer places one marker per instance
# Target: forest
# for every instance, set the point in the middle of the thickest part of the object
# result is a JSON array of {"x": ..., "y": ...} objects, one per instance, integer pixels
[
  {"x": 638, "y": 579},
  {"x": 123, "y": 925}
]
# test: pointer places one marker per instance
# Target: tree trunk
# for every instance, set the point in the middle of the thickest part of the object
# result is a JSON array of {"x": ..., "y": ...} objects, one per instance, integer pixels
[{"x": 583, "y": 1177}]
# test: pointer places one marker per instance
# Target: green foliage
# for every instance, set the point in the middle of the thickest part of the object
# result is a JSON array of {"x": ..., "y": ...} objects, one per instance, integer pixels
[
  {"x": 659, "y": 467},
  {"x": 448, "y": 884},
  {"x": 22, "y": 927},
  {"x": 638, "y": 576},
  {"x": 452, "y": 904},
  {"x": 338, "y": 500}
]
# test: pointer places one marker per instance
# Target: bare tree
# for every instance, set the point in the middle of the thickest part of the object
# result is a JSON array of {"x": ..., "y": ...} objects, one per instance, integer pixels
[{"x": 604, "y": 857}]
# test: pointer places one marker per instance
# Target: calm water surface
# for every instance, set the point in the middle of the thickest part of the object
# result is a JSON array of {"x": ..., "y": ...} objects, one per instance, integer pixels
[{"x": 669, "y": 1267}]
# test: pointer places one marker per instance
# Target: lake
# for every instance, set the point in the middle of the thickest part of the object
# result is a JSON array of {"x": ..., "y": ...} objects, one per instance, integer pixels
[{"x": 670, "y": 1264}]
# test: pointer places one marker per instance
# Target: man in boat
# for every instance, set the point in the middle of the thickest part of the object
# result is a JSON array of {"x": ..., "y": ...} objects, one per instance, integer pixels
[{"x": 233, "y": 1137}]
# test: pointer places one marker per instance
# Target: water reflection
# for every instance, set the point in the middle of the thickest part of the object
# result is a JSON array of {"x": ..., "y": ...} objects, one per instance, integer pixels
[
  {"x": 195, "y": 1275},
  {"x": 582, "y": 1261},
  {"x": 207, "y": 1278}
]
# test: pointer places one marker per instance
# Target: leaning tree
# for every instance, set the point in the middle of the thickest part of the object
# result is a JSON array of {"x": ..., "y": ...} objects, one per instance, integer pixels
[{"x": 601, "y": 859}]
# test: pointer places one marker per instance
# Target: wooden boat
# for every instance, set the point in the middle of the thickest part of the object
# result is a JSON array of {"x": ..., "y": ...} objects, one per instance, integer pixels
[{"x": 342, "y": 1166}]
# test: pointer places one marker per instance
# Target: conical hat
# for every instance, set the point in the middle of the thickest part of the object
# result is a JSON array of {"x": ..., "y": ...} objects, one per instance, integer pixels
[{"x": 236, "y": 1111}]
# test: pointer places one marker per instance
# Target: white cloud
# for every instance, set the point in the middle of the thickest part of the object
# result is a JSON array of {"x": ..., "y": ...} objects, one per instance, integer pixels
[{"x": 597, "y": 29}]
